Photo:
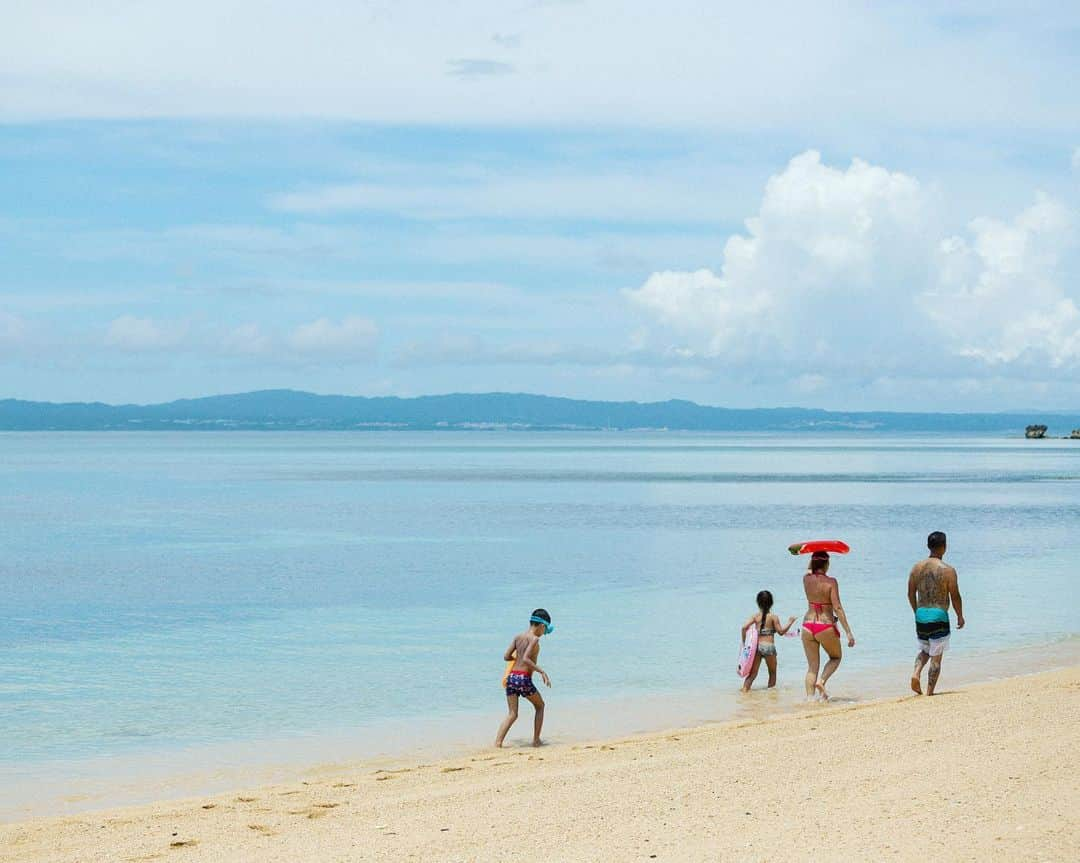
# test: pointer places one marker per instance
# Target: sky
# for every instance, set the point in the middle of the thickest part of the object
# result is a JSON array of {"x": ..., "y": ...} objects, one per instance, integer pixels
[{"x": 841, "y": 205}]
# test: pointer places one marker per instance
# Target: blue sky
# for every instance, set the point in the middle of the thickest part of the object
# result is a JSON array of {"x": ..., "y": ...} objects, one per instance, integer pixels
[{"x": 837, "y": 206}]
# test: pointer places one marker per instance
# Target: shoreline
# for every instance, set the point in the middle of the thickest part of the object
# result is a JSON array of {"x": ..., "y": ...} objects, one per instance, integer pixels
[
  {"x": 32, "y": 791},
  {"x": 972, "y": 773}
]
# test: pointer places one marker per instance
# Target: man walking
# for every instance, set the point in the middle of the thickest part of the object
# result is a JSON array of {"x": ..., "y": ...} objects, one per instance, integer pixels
[{"x": 931, "y": 585}]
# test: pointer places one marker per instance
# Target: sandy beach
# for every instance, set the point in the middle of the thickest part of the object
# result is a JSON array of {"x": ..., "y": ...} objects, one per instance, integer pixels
[{"x": 983, "y": 773}]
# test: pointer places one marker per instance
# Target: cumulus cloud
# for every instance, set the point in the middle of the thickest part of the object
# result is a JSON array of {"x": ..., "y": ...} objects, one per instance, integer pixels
[
  {"x": 1000, "y": 297},
  {"x": 826, "y": 247},
  {"x": 844, "y": 271},
  {"x": 144, "y": 335},
  {"x": 351, "y": 338}
]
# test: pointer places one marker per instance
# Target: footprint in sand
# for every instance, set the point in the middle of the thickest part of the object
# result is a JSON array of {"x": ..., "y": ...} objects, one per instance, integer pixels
[
  {"x": 311, "y": 812},
  {"x": 452, "y": 769},
  {"x": 183, "y": 843},
  {"x": 246, "y": 799},
  {"x": 343, "y": 785},
  {"x": 262, "y": 829},
  {"x": 208, "y": 806}
]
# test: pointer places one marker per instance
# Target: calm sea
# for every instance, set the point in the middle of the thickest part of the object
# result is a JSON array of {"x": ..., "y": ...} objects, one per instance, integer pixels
[{"x": 207, "y": 597}]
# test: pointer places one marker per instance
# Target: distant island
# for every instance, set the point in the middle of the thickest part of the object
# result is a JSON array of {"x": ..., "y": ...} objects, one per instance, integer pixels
[{"x": 291, "y": 410}]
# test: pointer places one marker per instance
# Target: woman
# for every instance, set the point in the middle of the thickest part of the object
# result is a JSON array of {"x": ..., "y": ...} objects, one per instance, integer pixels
[{"x": 819, "y": 625}]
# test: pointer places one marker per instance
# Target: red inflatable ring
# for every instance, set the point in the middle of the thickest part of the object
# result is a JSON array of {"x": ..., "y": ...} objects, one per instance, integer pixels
[{"x": 833, "y": 546}]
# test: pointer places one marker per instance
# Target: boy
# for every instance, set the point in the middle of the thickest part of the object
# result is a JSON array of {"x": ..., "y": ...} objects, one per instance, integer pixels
[{"x": 523, "y": 652}]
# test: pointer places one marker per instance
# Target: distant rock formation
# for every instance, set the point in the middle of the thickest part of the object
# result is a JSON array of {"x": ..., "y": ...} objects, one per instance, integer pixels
[
  {"x": 1074, "y": 434},
  {"x": 1035, "y": 432}
]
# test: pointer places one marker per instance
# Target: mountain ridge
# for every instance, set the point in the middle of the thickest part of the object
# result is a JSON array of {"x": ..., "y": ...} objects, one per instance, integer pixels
[{"x": 287, "y": 409}]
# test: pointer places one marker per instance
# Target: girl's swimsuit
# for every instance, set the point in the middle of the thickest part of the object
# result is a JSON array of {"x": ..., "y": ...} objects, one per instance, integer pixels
[
  {"x": 519, "y": 682},
  {"x": 766, "y": 649}
]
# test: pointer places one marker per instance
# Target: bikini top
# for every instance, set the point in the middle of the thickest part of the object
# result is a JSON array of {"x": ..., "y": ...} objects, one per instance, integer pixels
[{"x": 763, "y": 630}]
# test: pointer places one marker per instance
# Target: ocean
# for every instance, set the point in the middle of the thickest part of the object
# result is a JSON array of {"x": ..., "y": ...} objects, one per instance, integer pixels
[{"x": 223, "y": 601}]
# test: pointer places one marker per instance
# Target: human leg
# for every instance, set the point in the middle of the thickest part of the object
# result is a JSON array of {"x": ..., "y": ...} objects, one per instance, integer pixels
[
  {"x": 813, "y": 661},
  {"x": 933, "y": 674},
  {"x": 538, "y": 721},
  {"x": 921, "y": 659},
  {"x": 754, "y": 666},
  {"x": 770, "y": 663},
  {"x": 937, "y": 649},
  {"x": 511, "y": 718},
  {"x": 830, "y": 641}
]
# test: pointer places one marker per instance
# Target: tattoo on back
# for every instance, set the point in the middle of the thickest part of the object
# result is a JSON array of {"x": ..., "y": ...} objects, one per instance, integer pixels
[{"x": 931, "y": 586}]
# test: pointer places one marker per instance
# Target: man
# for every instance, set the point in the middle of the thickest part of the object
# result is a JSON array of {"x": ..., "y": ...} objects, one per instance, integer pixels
[{"x": 931, "y": 585}]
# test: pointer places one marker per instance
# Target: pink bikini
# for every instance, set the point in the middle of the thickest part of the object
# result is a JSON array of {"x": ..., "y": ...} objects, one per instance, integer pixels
[{"x": 818, "y": 628}]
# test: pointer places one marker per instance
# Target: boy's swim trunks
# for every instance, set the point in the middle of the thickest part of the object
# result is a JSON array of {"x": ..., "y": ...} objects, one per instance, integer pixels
[{"x": 520, "y": 683}]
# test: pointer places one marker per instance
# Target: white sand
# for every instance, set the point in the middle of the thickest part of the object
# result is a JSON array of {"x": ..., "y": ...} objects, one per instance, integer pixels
[{"x": 987, "y": 773}]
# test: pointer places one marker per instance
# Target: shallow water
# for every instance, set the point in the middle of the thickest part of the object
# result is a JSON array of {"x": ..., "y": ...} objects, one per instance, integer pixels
[{"x": 169, "y": 593}]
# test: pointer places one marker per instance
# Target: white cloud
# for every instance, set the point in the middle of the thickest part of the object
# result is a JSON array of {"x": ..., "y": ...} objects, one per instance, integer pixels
[
  {"x": 12, "y": 329},
  {"x": 352, "y": 338},
  {"x": 478, "y": 68},
  {"x": 247, "y": 340},
  {"x": 654, "y": 195},
  {"x": 14, "y": 335},
  {"x": 144, "y": 335},
  {"x": 842, "y": 273},
  {"x": 826, "y": 246},
  {"x": 607, "y": 62},
  {"x": 1001, "y": 297}
]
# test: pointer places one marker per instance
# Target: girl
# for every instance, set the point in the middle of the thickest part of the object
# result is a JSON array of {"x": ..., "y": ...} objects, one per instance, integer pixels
[{"x": 768, "y": 625}]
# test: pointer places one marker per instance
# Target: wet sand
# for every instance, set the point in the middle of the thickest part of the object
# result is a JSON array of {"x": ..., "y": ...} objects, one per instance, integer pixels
[{"x": 983, "y": 772}]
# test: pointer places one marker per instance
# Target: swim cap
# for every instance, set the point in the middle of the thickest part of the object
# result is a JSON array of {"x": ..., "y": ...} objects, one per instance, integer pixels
[{"x": 540, "y": 615}]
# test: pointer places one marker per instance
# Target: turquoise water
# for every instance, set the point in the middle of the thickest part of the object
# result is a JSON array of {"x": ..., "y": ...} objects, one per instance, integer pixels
[{"x": 163, "y": 592}]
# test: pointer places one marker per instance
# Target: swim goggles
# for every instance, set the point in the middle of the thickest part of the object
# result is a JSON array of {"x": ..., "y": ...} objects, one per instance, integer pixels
[{"x": 549, "y": 627}]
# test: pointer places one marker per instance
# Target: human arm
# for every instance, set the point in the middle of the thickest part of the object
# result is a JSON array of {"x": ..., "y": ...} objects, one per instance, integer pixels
[
  {"x": 746, "y": 626},
  {"x": 782, "y": 630},
  {"x": 838, "y": 610},
  {"x": 912, "y": 595},
  {"x": 511, "y": 652},
  {"x": 957, "y": 601}
]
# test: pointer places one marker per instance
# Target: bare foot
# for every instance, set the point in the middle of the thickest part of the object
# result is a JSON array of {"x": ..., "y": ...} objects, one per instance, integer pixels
[
  {"x": 538, "y": 743},
  {"x": 498, "y": 744},
  {"x": 822, "y": 694},
  {"x": 916, "y": 685}
]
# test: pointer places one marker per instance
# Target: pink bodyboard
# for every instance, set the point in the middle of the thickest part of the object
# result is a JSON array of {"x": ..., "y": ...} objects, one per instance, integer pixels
[{"x": 748, "y": 651}]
